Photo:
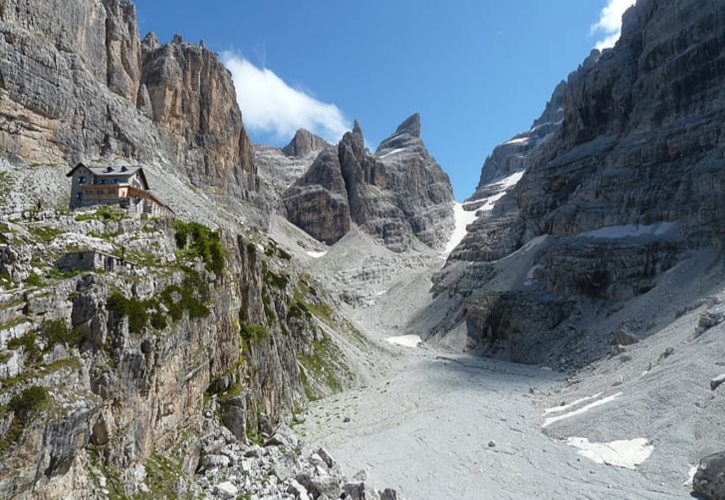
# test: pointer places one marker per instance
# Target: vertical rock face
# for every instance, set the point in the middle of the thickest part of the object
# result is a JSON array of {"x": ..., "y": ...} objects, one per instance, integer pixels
[
  {"x": 642, "y": 137},
  {"x": 192, "y": 98},
  {"x": 516, "y": 154},
  {"x": 398, "y": 194},
  {"x": 73, "y": 87},
  {"x": 419, "y": 186},
  {"x": 318, "y": 202},
  {"x": 123, "y": 49},
  {"x": 633, "y": 176}
]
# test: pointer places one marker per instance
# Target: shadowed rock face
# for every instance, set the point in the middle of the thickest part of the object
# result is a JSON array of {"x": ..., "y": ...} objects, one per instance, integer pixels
[
  {"x": 318, "y": 202},
  {"x": 516, "y": 154},
  {"x": 630, "y": 175},
  {"x": 77, "y": 84},
  {"x": 641, "y": 139},
  {"x": 398, "y": 194}
]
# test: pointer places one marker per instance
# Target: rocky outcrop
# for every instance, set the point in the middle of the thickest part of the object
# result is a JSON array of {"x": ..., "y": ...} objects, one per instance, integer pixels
[
  {"x": 318, "y": 201},
  {"x": 630, "y": 177},
  {"x": 516, "y": 154},
  {"x": 641, "y": 140},
  {"x": 709, "y": 479},
  {"x": 120, "y": 370},
  {"x": 193, "y": 100},
  {"x": 279, "y": 168},
  {"x": 76, "y": 84},
  {"x": 398, "y": 194},
  {"x": 304, "y": 143}
]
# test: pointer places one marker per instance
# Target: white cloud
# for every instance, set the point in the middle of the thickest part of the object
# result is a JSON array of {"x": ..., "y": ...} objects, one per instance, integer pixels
[
  {"x": 610, "y": 22},
  {"x": 269, "y": 105}
]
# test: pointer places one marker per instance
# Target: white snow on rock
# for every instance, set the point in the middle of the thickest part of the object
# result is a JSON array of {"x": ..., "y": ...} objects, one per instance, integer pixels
[
  {"x": 316, "y": 255},
  {"x": 627, "y": 453},
  {"x": 394, "y": 151},
  {"x": 581, "y": 410},
  {"x": 462, "y": 219},
  {"x": 559, "y": 409},
  {"x": 405, "y": 340},
  {"x": 520, "y": 140},
  {"x": 511, "y": 180}
]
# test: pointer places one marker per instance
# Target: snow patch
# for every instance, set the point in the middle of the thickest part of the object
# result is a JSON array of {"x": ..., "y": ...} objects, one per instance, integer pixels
[
  {"x": 394, "y": 151},
  {"x": 690, "y": 476},
  {"x": 405, "y": 340},
  {"x": 462, "y": 219},
  {"x": 581, "y": 410},
  {"x": 511, "y": 180},
  {"x": 627, "y": 453},
  {"x": 520, "y": 140},
  {"x": 559, "y": 409},
  {"x": 316, "y": 255}
]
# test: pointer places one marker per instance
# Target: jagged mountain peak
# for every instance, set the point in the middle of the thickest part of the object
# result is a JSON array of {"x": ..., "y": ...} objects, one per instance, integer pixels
[
  {"x": 303, "y": 143},
  {"x": 411, "y": 126},
  {"x": 150, "y": 41},
  {"x": 407, "y": 135},
  {"x": 356, "y": 129}
]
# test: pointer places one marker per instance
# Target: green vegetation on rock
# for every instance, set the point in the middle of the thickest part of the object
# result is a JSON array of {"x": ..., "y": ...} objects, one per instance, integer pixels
[{"x": 201, "y": 242}]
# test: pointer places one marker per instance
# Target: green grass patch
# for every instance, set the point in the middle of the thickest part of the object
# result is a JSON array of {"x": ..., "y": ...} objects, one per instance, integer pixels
[
  {"x": 24, "y": 407},
  {"x": 35, "y": 280},
  {"x": 325, "y": 364},
  {"x": 253, "y": 333},
  {"x": 163, "y": 475},
  {"x": 275, "y": 280},
  {"x": 136, "y": 310},
  {"x": 57, "y": 274},
  {"x": 27, "y": 343},
  {"x": 44, "y": 234},
  {"x": 104, "y": 213},
  {"x": 57, "y": 332},
  {"x": 31, "y": 399},
  {"x": 7, "y": 282},
  {"x": 190, "y": 297}
]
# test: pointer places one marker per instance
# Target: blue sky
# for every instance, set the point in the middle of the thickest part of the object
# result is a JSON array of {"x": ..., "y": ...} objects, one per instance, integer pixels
[{"x": 477, "y": 71}]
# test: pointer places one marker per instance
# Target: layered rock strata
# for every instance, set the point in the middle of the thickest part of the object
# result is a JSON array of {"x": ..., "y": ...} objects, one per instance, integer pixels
[
  {"x": 77, "y": 84},
  {"x": 397, "y": 195}
]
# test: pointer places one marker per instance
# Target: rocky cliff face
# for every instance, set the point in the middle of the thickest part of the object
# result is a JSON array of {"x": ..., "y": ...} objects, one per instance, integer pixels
[
  {"x": 397, "y": 194},
  {"x": 76, "y": 84},
  {"x": 192, "y": 98},
  {"x": 634, "y": 172},
  {"x": 516, "y": 154},
  {"x": 641, "y": 133},
  {"x": 304, "y": 143},
  {"x": 279, "y": 168},
  {"x": 105, "y": 369}
]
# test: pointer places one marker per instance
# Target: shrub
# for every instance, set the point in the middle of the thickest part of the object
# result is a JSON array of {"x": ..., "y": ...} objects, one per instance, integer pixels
[
  {"x": 203, "y": 243},
  {"x": 253, "y": 332},
  {"x": 31, "y": 399},
  {"x": 135, "y": 310},
  {"x": 57, "y": 332},
  {"x": 27, "y": 342}
]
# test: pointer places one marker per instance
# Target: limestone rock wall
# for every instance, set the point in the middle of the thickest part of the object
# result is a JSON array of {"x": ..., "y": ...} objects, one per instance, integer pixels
[
  {"x": 73, "y": 87},
  {"x": 399, "y": 194},
  {"x": 153, "y": 373}
]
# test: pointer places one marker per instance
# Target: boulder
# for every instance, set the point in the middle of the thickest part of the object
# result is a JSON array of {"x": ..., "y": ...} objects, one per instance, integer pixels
[{"x": 709, "y": 479}]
